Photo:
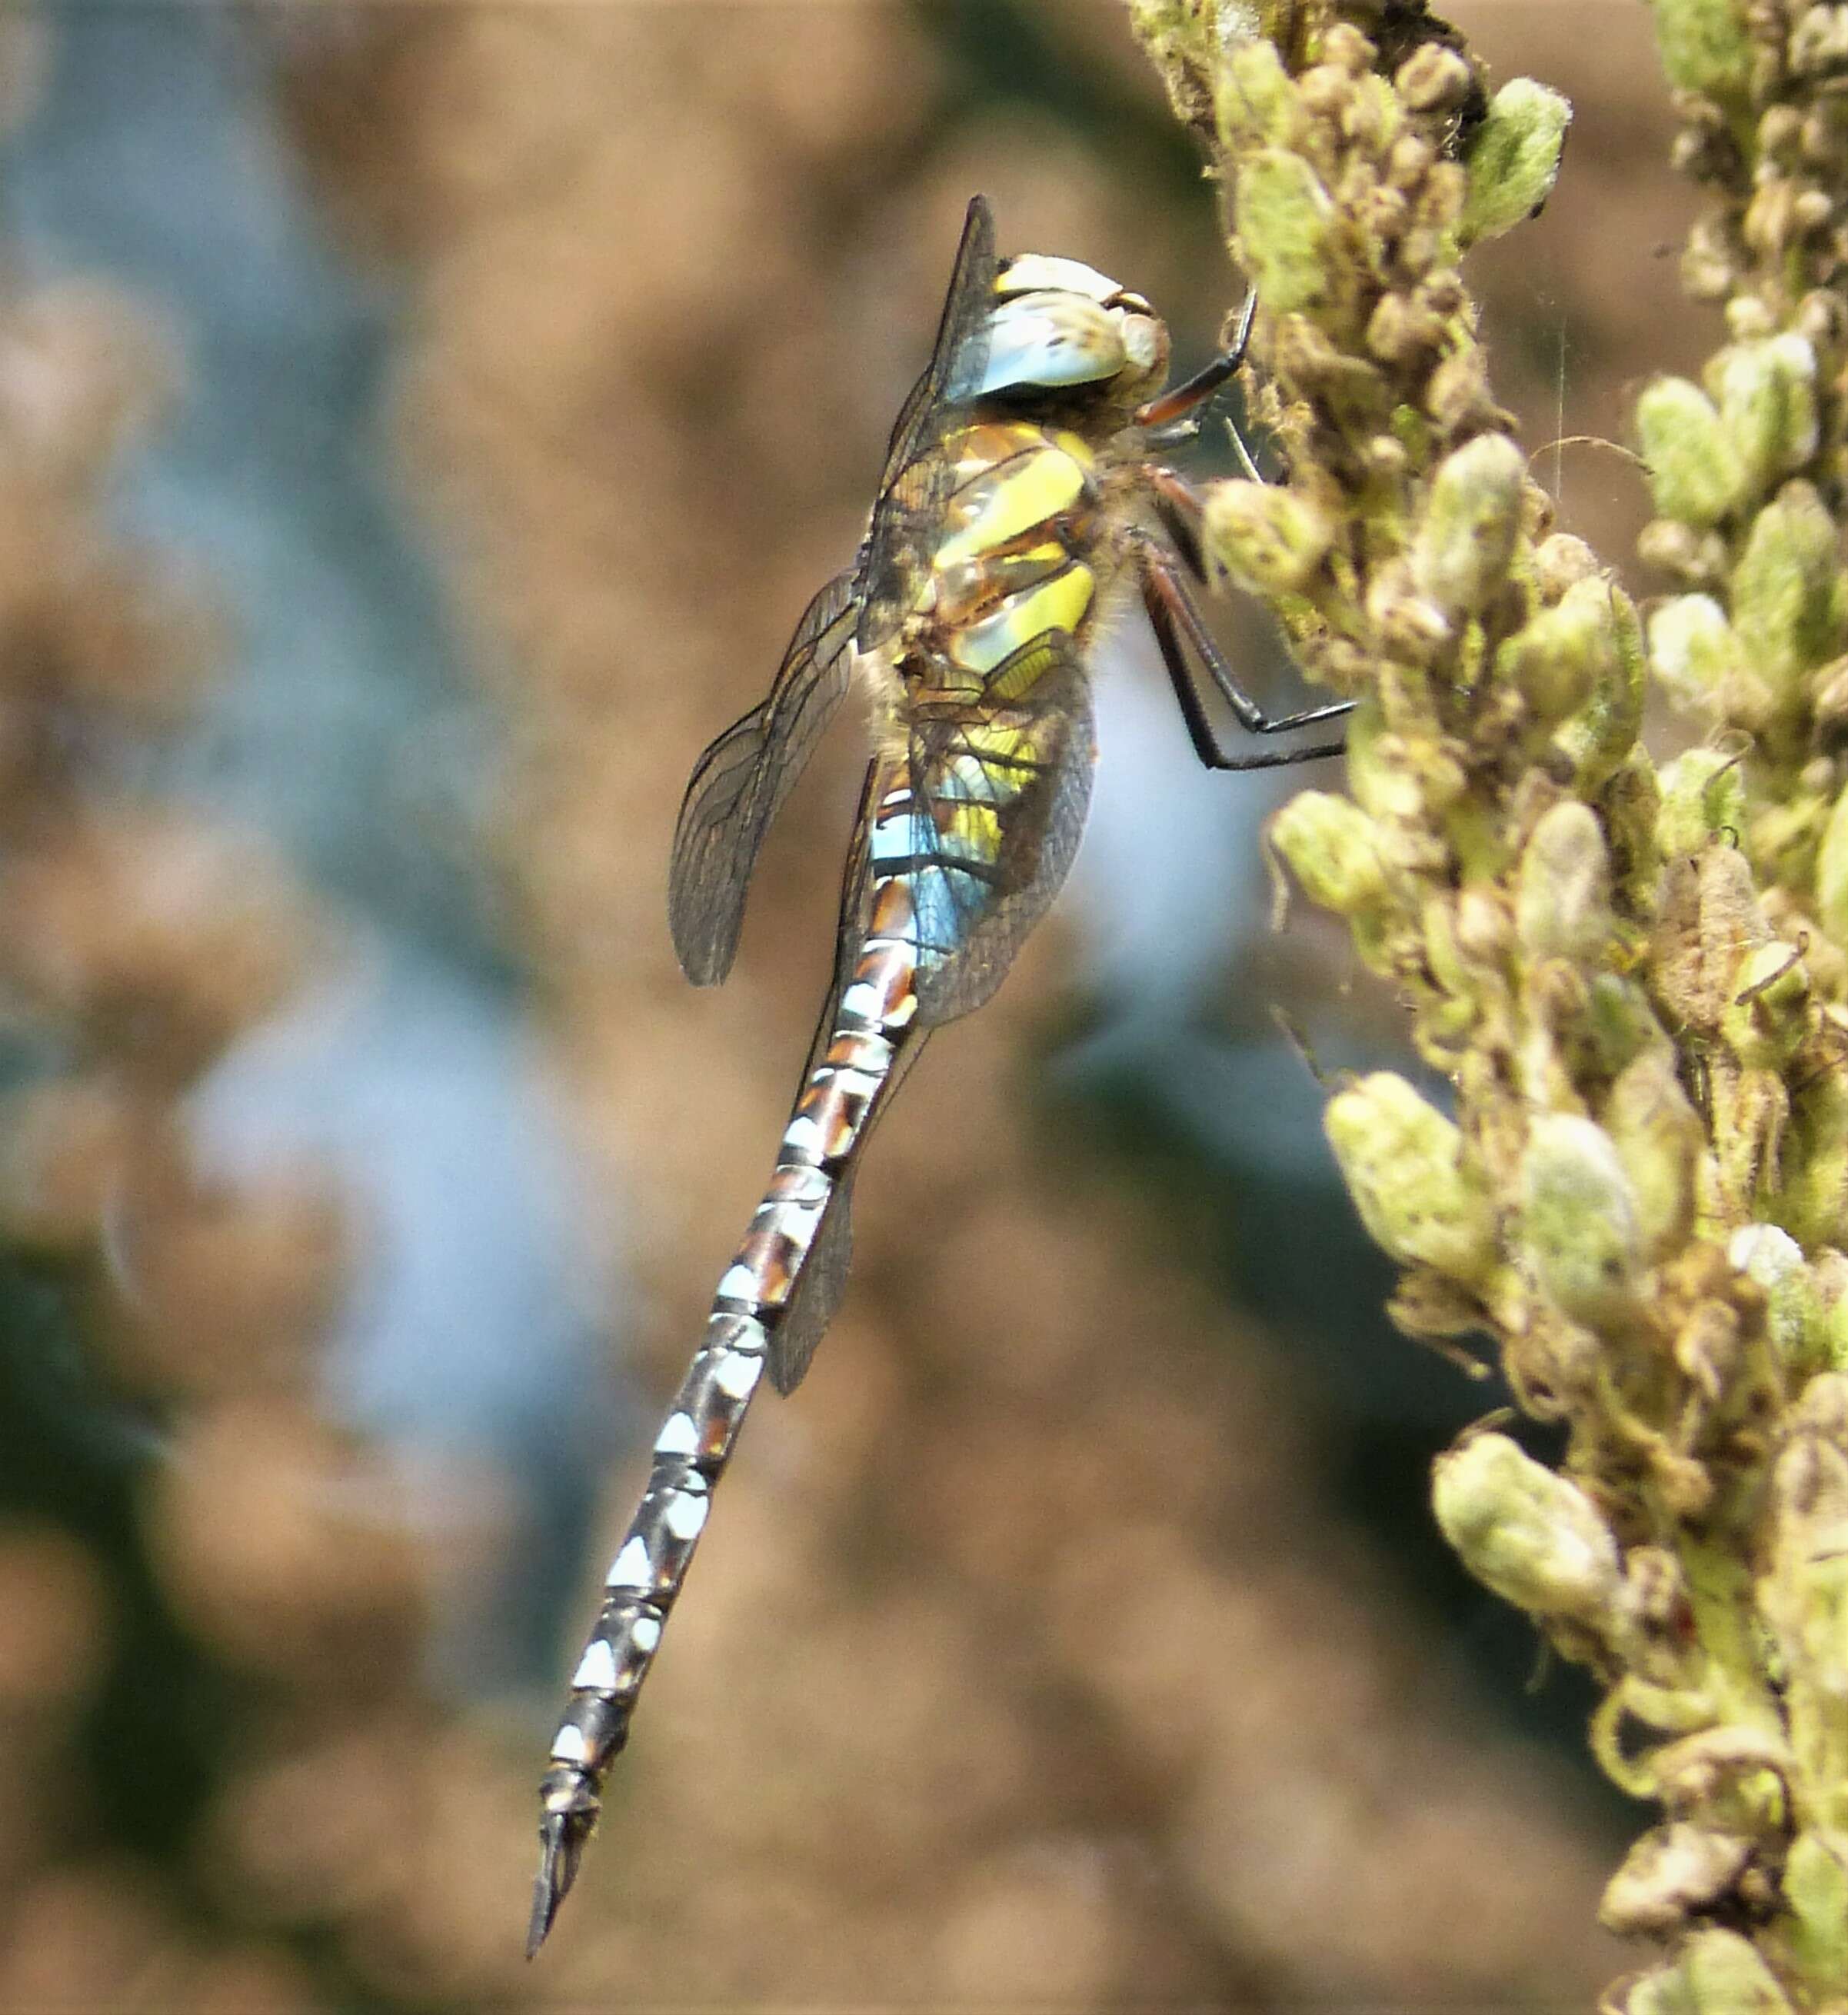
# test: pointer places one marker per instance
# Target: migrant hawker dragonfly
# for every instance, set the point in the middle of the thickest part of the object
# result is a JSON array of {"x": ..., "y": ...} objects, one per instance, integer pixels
[{"x": 1020, "y": 501}]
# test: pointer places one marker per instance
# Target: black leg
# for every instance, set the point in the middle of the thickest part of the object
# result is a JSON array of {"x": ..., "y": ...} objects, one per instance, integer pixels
[
  {"x": 1161, "y": 592},
  {"x": 1179, "y": 619},
  {"x": 1185, "y": 398}
]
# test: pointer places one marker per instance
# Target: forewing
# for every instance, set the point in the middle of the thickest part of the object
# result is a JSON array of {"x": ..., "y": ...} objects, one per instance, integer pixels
[
  {"x": 917, "y": 479},
  {"x": 1006, "y": 795},
  {"x": 740, "y": 782}
]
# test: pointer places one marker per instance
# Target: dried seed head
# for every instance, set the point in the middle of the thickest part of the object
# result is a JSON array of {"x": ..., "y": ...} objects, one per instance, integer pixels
[{"x": 1672, "y": 1871}]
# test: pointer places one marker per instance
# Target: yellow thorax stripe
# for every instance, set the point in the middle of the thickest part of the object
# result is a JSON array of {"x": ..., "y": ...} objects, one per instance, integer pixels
[
  {"x": 1013, "y": 500},
  {"x": 1057, "y": 604}
]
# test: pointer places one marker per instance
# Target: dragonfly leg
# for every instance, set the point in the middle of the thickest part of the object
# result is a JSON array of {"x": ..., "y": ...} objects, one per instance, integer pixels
[
  {"x": 1180, "y": 630},
  {"x": 1184, "y": 400}
]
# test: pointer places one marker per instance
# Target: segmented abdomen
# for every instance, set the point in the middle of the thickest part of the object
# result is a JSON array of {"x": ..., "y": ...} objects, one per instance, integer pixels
[{"x": 877, "y": 1006}]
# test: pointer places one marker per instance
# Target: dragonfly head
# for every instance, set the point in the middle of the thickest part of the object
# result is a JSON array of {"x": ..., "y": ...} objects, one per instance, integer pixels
[{"x": 1066, "y": 330}]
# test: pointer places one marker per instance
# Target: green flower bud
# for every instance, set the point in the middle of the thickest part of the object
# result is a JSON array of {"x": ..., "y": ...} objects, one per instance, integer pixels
[
  {"x": 1767, "y": 392},
  {"x": 1598, "y": 624},
  {"x": 1692, "y": 649},
  {"x": 1554, "y": 657},
  {"x": 1530, "y": 1535},
  {"x": 1793, "y": 1315},
  {"x": 1769, "y": 1012},
  {"x": 1717, "y": 1973},
  {"x": 1286, "y": 223},
  {"x": 1270, "y": 539},
  {"x": 1660, "y": 1138},
  {"x": 1784, "y": 608},
  {"x": 1696, "y": 475},
  {"x": 1832, "y": 873},
  {"x": 1813, "y": 1158},
  {"x": 1805, "y": 1597},
  {"x": 1514, "y": 159},
  {"x": 1562, "y": 906},
  {"x": 1258, "y": 103},
  {"x": 1703, "y": 798},
  {"x": 1467, "y": 538},
  {"x": 1580, "y": 1233},
  {"x": 1816, "y": 1887},
  {"x": 1402, "y": 1161},
  {"x": 1705, "y": 48},
  {"x": 1328, "y": 843}
]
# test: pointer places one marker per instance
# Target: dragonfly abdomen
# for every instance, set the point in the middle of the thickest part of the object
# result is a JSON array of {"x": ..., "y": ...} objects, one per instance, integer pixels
[{"x": 754, "y": 1303}]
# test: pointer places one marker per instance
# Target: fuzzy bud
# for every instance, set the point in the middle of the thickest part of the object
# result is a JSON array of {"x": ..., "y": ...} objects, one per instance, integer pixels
[
  {"x": 1328, "y": 844},
  {"x": 1793, "y": 1315},
  {"x": 1286, "y": 222},
  {"x": 1703, "y": 797},
  {"x": 1805, "y": 1595},
  {"x": 1784, "y": 588},
  {"x": 1692, "y": 649},
  {"x": 1580, "y": 1233},
  {"x": 1706, "y": 47},
  {"x": 1258, "y": 102},
  {"x": 1556, "y": 657},
  {"x": 1562, "y": 903},
  {"x": 1832, "y": 873},
  {"x": 1528, "y": 1533},
  {"x": 1270, "y": 539},
  {"x": 1467, "y": 538},
  {"x": 1402, "y": 1161},
  {"x": 1659, "y": 1138},
  {"x": 1767, "y": 392},
  {"x": 1514, "y": 159},
  {"x": 1599, "y": 632},
  {"x": 1696, "y": 475},
  {"x": 1716, "y": 1973},
  {"x": 1816, "y": 1887}
]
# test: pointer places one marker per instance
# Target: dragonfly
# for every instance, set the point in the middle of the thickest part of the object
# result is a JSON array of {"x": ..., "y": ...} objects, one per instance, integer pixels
[{"x": 1023, "y": 500}]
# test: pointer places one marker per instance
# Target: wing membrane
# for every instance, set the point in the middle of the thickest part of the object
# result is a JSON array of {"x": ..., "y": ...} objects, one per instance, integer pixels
[
  {"x": 740, "y": 782},
  {"x": 1001, "y": 801},
  {"x": 917, "y": 479}
]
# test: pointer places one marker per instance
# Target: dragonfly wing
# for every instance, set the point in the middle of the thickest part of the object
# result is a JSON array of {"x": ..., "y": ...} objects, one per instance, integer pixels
[
  {"x": 917, "y": 479},
  {"x": 740, "y": 782},
  {"x": 999, "y": 801}
]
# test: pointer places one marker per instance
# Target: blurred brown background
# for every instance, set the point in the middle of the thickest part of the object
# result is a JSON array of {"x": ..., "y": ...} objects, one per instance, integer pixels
[{"x": 421, "y": 426}]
